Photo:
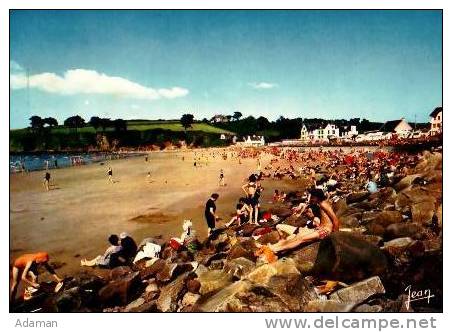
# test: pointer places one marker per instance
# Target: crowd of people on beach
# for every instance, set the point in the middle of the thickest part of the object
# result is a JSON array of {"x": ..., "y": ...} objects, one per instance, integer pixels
[{"x": 328, "y": 175}]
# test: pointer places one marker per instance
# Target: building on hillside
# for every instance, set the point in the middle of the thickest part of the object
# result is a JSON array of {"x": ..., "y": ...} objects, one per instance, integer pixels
[
  {"x": 219, "y": 118},
  {"x": 348, "y": 132},
  {"x": 399, "y": 127},
  {"x": 436, "y": 121},
  {"x": 304, "y": 133},
  {"x": 253, "y": 141}
]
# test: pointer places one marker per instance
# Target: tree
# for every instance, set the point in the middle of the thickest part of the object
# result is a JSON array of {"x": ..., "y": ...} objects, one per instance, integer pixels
[
  {"x": 120, "y": 125},
  {"x": 36, "y": 123},
  {"x": 187, "y": 120},
  {"x": 229, "y": 117},
  {"x": 105, "y": 123},
  {"x": 95, "y": 122},
  {"x": 262, "y": 123},
  {"x": 74, "y": 122},
  {"x": 237, "y": 115},
  {"x": 51, "y": 122}
]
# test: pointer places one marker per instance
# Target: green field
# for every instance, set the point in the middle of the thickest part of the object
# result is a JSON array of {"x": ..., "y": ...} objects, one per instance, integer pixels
[{"x": 142, "y": 125}]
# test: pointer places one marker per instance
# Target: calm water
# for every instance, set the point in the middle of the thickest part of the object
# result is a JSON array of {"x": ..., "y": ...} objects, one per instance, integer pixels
[{"x": 35, "y": 162}]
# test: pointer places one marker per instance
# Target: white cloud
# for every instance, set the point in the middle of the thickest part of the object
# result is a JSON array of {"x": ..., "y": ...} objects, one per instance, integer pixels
[
  {"x": 262, "y": 85},
  {"x": 15, "y": 67},
  {"x": 83, "y": 81}
]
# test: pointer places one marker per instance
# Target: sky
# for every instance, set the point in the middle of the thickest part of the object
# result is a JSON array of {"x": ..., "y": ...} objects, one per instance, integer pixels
[{"x": 379, "y": 65}]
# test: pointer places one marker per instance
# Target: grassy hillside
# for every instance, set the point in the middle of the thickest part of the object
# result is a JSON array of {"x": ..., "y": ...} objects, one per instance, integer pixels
[{"x": 141, "y": 125}]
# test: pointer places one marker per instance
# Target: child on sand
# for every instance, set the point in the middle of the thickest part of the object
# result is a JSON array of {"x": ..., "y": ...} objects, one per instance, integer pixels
[{"x": 110, "y": 175}]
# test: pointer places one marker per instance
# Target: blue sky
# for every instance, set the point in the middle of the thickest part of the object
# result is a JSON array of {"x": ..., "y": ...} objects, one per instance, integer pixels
[{"x": 378, "y": 65}]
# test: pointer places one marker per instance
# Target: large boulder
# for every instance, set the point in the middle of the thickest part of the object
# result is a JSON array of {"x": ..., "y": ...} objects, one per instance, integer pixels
[
  {"x": 359, "y": 292},
  {"x": 422, "y": 213},
  {"x": 119, "y": 291},
  {"x": 218, "y": 302},
  {"x": 271, "y": 237},
  {"x": 239, "y": 267},
  {"x": 357, "y": 197},
  {"x": 213, "y": 280},
  {"x": 328, "y": 306},
  {"x": 412, "y": 230},
  {"x": 293, "y": 290},
  {"x": 343, "y": 256},
  {"x": 171, "y": 294},
  {"x": 257, "y": 299},
  {"x": 265, "y": 272},
  {"x": 386, "y": 218},
  {"x": 406, "y": 182},
  {"x": 305, "y": 257},
  {"x": 244, "y": 249}
]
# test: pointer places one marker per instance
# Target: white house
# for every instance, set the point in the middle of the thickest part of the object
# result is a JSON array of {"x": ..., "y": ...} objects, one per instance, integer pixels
[
  {"x": 348, "y": 132},
  {"x": 253, "y": 141},
  {"x": 399, "y": 127},
  {"x": 436, "y": 121},
  {"x": 304, "y": 134}
]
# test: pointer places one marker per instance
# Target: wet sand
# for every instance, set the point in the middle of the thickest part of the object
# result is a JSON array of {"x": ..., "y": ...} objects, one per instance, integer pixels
[{"x": 75, "y": 218}]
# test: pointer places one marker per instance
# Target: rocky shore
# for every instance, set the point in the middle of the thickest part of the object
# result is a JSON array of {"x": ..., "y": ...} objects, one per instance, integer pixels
[{"x": 388, "y": 241}]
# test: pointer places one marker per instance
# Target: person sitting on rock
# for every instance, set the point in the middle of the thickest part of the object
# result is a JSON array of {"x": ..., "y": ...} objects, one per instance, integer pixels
[
  {"x": 28, "y": 264},
  {"x": 107, "y": 259},
  {"x": 128, "y": 249},
  {"x": 328, "y": 223}
]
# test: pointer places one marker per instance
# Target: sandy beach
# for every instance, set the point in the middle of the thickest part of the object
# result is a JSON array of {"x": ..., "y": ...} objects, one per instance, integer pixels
[{"x": 74, "y": 219}]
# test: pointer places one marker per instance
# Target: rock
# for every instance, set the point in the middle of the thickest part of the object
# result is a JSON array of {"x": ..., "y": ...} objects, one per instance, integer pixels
[
  {"x": 213, "y": 280},
  {"x": 135, "y": 304},
  {"x": 239, "y": 267},
  {"x": 357, "y": 197},
  {"x": 258, "y": 299},
  {"x": 418, "y": 195},
  {"x": 218, "y": 302},
  {"x": 152, "y": 270},
  {"x": 238, "y": 250},
  {"x": 345, "y": 257},
  {"x": 412, "y": 230},
  {"x": 433, "y": 245},
  {"x": 374, "y": 240},
  {"x": 349, "y": 221},
  {"x": 271, "y": 237},
  {"x": 359, "y": 292},
  {"x": 264, "y": 273},
  {"x": 374, "y": 228},
  {"x": 293, "y": 290},
  {"x": 166, "y": 273},
  {"x": 152, "y": 287},
  {"x": 171, "y": 294},
  {"x": 119, "y": 291},
  {"x": 190, "y": 299},
  {"x": 150, "y": 306},
  {"x": 328, "y": 306},
  {"x": 368, "y": 308},
  {"x": 405, "y": 182},
  {"x": 305, "y": 257},
  {"x": 120, "y": 272},
  {"x": 193, "y": 286},
  {"x": 281, "y": 211},
  {"x": 217, "y": 264},
  {"x": 439, "y": 214},
  {"x": 208, "y": 259},
  {"x": 340, "y": 207},
  {"x": 69, "y": 300},
  {"x": 422, "y": 213},
  {"x": 247, "y": 229},
  {"x": 386, "y": 218},
  {"x": 399, "y": 243}
]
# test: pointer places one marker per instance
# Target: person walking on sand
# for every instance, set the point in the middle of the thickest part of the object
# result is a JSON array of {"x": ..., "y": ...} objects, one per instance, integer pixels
[
  {"x": 221, "y": 182},
  {"x": 209, "y": 213},
  {"x": 47, "y": 181},
  {"x": 28, "y": 264},
  {"x": 110, "y": 175}
]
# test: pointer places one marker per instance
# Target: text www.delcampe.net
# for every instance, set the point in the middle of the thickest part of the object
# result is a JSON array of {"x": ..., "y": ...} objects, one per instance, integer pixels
[{"x": 350, "y": 323}]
